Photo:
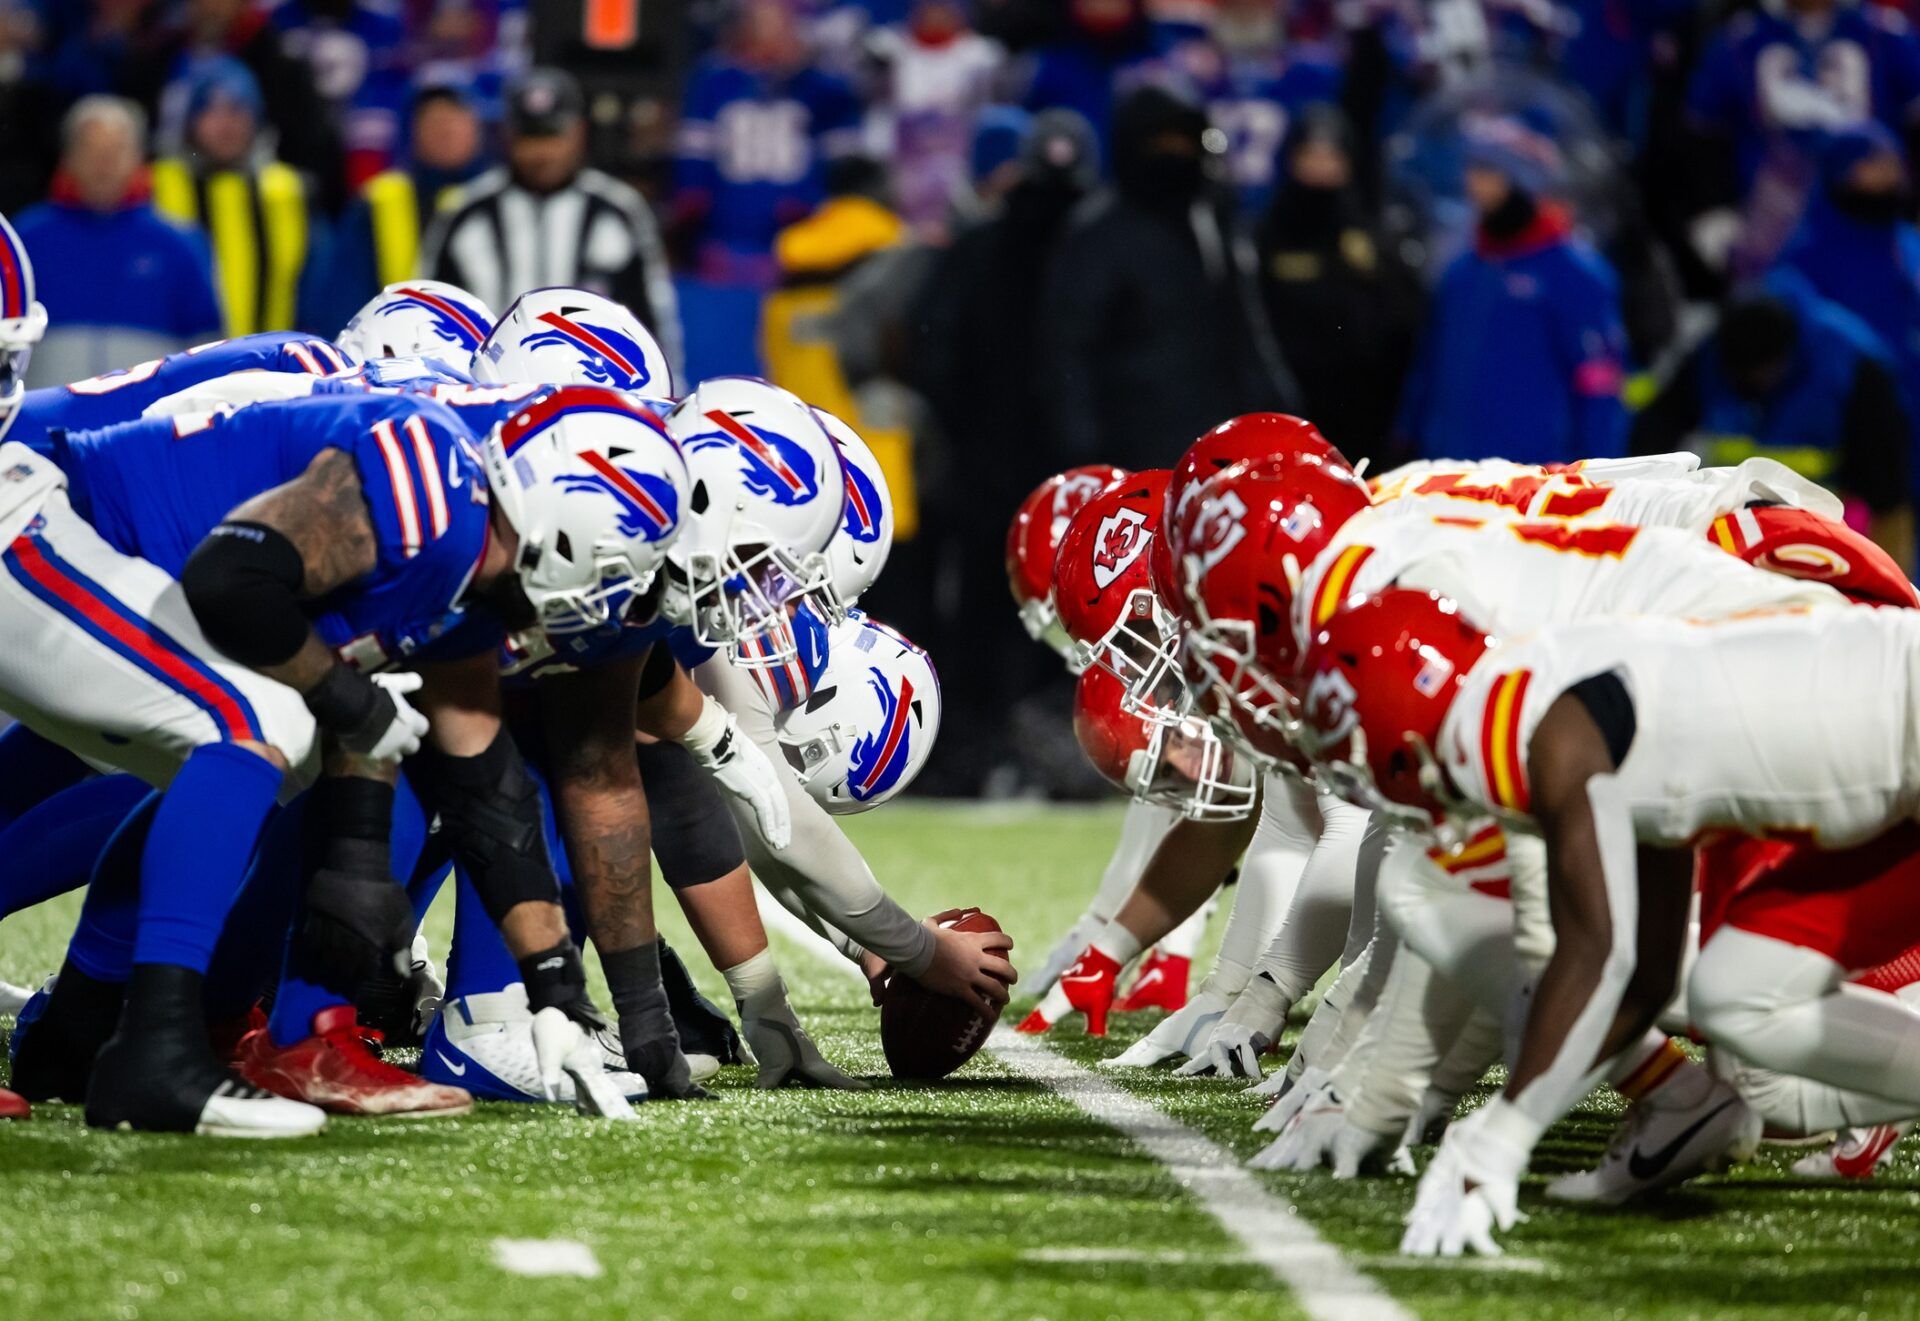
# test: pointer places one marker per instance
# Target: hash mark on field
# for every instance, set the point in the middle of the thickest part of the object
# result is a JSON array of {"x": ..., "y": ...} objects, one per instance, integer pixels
[
  {"x": 546, "y": 1256},
  {"x": 1126, "y": 1255},
  {"x": 1326, "y": 1285}
]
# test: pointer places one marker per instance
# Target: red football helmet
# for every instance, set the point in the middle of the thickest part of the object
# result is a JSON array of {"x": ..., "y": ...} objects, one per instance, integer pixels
[
  {"x": 1103, "y": 589},
  {"x": 1248, "y": 438},
  {"x": 1245, "y": 707},
  {"x": 1033, "y": 541},
  {"x": 1378, "y": 680},
  {"x": 1799, "y": 543},
  {"x": 1240, "y": 546},
  {"x": 1174, "y": 759}
]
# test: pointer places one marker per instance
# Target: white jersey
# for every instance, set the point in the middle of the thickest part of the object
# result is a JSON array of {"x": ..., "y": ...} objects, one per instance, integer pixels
[
  {"x": 1513, "y": 576},
  {"x": 1666, "y": 490},
  {"x": 1794, "y": 724}
]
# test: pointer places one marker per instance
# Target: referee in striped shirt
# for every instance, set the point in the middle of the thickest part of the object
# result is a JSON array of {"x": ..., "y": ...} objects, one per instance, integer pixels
[{"x": 546, "y": 218}]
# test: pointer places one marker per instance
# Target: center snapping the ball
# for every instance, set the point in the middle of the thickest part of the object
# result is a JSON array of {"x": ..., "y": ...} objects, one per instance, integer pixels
[{"x": 927, "y": 1035}]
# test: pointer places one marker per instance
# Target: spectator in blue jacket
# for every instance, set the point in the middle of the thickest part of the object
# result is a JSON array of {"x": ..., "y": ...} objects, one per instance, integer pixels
[
  {"x": 120, "y": 283},
  {"x": 1789, "y": 376},
  {"x": 1522, "y": 353},
  {"x": 1857, "y": 248}
]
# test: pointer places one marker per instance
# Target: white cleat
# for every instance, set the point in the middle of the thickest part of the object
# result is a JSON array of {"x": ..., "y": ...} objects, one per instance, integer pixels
[
  {"x": 1856, "y": 1153},
  {"x": 236, "y": 1110},
  {"x": 12, "y": 998},
  {"x": 1177, "y": 1036},
  {"x": 1659, "y": 1145},
  {"x": 485, "y": 1044}
]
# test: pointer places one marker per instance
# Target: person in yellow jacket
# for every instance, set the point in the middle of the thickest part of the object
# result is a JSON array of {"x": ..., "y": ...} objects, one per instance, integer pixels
[
  {"x": 257, "y": 213},
  {"x": 826, "y": 331},
  {"x": 378, "y": 239}
]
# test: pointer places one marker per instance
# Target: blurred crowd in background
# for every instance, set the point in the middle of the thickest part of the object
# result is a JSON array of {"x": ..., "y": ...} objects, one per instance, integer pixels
[{"x": 1003, "y": 237}]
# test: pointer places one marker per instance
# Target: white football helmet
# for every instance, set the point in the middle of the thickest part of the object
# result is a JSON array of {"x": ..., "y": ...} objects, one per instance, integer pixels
[
  {"x": 860, "y": 547},
  {"x": 870, "y": 724},
  {"x": 767, "y": 494},
  {"x": 22, "y": 321},
  {"x": 572, "y": 336},
  {"x": 419, "y": 319},
  {"x": 597, "y": 492}
]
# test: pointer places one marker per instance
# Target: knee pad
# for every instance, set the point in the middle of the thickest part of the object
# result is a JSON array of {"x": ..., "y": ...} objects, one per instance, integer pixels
[
  {"x": 694, "y": 838},
  {"x": 492, "y": 820}
]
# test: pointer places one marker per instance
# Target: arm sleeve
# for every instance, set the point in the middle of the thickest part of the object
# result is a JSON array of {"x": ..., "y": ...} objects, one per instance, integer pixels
[
  {"x": 1875, "y": 440},
  {"x": 820, "y": 865}
]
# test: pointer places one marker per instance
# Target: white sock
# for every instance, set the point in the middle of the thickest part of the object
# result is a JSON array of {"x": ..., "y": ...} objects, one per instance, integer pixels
[
  {"x": 751, "y": 980},
  {"x": 1118, "y": 944}
]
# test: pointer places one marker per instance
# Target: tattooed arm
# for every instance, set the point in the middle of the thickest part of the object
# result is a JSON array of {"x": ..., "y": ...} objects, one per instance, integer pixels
[{"x": 598, "y": 799}]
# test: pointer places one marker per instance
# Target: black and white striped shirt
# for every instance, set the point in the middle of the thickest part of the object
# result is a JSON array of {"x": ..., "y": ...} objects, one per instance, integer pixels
[{"x": 499, "y": 240}]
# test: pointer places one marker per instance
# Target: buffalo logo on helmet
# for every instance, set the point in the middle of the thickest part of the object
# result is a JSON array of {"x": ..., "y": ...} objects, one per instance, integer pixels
[
  {"x": 606, "y": 356},
  {"x": 771, "y": 465},
  {"x": 1217, "y": 529},
  {"x": 862, "y": 521},
  {"x": 454, "y": 323},
  {"x": 648, "y": 504},
  {"x": 1122, "y": 537},
  {"x": 880, "y": 758}
]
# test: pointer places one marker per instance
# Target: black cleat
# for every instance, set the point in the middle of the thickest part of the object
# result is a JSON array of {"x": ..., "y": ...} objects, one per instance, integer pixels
[{"x": 54, "y": 1043}]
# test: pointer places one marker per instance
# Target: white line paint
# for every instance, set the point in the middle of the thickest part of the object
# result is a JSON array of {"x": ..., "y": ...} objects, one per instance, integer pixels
[
  {"x": 1078, "y": 1255},
  {"x": 546, "y": 1257},
  {"x": 1325, "y": 1284}
]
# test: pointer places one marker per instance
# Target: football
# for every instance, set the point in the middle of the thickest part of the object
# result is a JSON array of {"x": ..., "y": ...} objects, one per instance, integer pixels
[{"x": 927, "y": 1035}]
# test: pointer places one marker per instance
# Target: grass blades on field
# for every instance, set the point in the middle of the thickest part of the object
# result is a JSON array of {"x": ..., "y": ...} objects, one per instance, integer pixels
[{"x": 979, "y": 1198}]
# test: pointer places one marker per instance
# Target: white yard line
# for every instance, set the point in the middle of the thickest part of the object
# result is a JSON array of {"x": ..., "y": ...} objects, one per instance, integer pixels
[
  {"x": 546, "y": 1257},
  {"x": 1326, "y": 1285}
]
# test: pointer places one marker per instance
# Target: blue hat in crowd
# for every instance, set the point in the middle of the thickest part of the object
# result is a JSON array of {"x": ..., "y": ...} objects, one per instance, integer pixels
[
  {"x": 1847, "y": 147},
  {"x": 225, "y": 79},
  {"x": 997, "y": 134},
  {"x": 1528, "y": 158}
]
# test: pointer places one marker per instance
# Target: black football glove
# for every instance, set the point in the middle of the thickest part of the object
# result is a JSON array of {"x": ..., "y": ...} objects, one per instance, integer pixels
[{"x": 355, "y": 928}]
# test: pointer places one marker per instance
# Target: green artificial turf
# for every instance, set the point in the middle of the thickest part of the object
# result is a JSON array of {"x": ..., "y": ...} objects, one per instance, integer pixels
[{"x": 980, "y": 1197}]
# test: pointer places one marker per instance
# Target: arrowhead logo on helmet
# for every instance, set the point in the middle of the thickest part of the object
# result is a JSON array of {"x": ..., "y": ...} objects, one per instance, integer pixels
[
  {"x": 1217, "y": 529},
  {"x": 606, "y": 356},
  {"x": 879, "y": 758},
  {"x": 771, "y": 465},
  {"x": 1074, "y": 490},
  {"x": 1123, "y": 535}
]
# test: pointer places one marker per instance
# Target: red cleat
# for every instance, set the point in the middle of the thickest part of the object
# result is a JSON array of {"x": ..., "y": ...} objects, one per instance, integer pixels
[
  {"x": 1090, "y": 986},
  {"x": 226, "y": 1035},
  {"x": 1034, "y": 1023},
  {"x": 1162, "y": 984},
  {"x": 336, "y": 1069},
  {"x": 1861, "y": 1151},
  {"x": 13, "y": 1105}
]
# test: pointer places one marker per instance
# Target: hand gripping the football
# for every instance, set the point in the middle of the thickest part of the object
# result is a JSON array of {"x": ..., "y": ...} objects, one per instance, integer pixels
[{"x": 970, "y": 966}]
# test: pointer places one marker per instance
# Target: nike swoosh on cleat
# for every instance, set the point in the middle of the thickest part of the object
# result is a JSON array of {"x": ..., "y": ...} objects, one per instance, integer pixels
[
  {"x": 1644, "y": 1166},
  {"x": 458, "y": 1070}
]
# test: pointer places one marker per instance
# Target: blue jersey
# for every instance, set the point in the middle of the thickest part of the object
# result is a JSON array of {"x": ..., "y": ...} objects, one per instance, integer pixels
[
  {"x": 756, "y": 146},
  {"x": 1765, "y": 84},
  {"x": 156, "y": 487},
  {"x": 122, "y": 396}
]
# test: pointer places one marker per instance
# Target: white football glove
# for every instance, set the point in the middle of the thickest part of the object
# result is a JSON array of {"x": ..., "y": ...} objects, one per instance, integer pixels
[
  {"x": 1308, "y": 1137},
  {"x": 562, "y": 1047},
  {"x": 1471, "y": 1189},
  {"x": 1251, "y": 1025},
  {"x": 1310, "y": 1081},
  {"x": 405, "y": 726},
  {"x": 742, "y": 769}
]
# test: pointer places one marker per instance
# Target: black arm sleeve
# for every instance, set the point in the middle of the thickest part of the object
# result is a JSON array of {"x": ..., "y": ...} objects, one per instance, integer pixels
[
  {"x": 1664, "y": 425},
  {"x": 491, "y": 815},
  {"x": 1874, "y": 440},
  {"x": 243, "y": 585}
]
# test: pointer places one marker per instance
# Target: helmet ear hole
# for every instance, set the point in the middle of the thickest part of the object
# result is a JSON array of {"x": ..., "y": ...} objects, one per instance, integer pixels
[
  {"x": 563, "y": 547},
  {"x": 697, "y": 502}
]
